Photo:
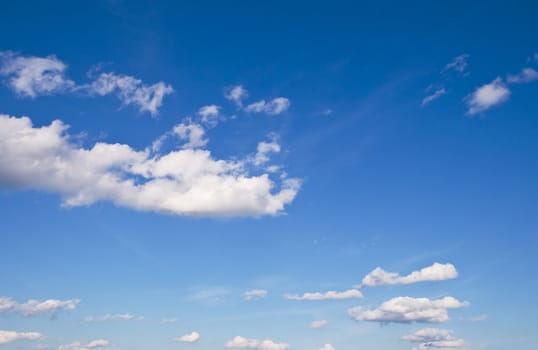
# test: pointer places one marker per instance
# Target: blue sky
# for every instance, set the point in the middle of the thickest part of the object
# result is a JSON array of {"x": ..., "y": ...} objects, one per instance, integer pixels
[{"x": 268, "y": 175}]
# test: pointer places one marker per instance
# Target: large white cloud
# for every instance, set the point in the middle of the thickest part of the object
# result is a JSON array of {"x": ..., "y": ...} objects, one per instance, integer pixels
[
  {"x": 487, "y": 96},
  {"x": 131, "y": 91},
  {"x": 330, "y": 295},
  {"x": 181, "y": 182},
  {"x": 435, "y": 339},
  {"x": 435, "y": 272},
  {"x": 99, "y": 344},
  {"x": 407, "y": 310},
  {"x": 189, "y": 338},
  {"x": 254, "y": 344},
  {"x": 10, "y": 336},
  {"x": 34, "y": 307},
  {"x": 33, "y": 76}
]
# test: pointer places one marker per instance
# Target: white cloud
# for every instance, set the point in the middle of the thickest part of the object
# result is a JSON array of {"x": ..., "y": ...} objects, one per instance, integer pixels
[
  {"x": 255, "y": 344},
  {"x": 319, "y": 324},
  {"x": 131, "y": 91},
  {"x": 327, "y": 347},
  {"x": 168, "y": 320},
  {"x": 435, "y": 272},
  {"x": 35, "y": 307},
  {"x": 487, "y": 96},
  {"x": 330, "y": 295},
  {"x": 274, "y": 107},
  {"x": 181, "y": 182},
  {"x": 264, "y": 149},
  {"x": 189, "y": 338},
  {"x": 33, "y": 76},
  {"x": 407, "y": 310},
  {"x": 255, "y": 294},
  {"x": 10, "y": 336},
  {"x": 209, "y": 115},
  {"x": 236, "y": 94},
  {"x": 434, "y": 338},
  {"x": 99, "y": 344},
  {"x": 459, "y": 64},
  {"x": 193, "y": 133},
  {"x": 114, "y": 317},
  {"x": 433, "y": 96},
  {"x": 479, "y": 318},
  {"x": 525, "y": 76}
]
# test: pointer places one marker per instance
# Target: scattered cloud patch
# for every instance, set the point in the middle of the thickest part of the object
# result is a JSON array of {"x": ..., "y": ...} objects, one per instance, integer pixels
[
  {"x": 435, "y": 272},
  {"x": 433, "y": 96},
  {"x": 114, "y": 317},
  {"x": 407, "y": 310},
  {"x": 487, "y": 96},
  {"x": 255, "y": 294},
  {"x": 236, "y": 94},
  {"x": 319, "y": 324},
  {"x": 35, "y": 307},
  {"x": 274, "y": 107},
  {"x": 131, "y": 91},
  {"x": 255, "y": 344},
  {"x": 434, "y": 338},
  {"x": 209, "y": 115},
  {"x": 30, "y": 76},
  {"x": 479, "y": 318},
  {"x": 458, "y": 64},
  {"x": 525, "y": 76},
  {"x": 330, "y": 295},
  {"x": 191, "y": 132},
  {"x": 182, "y": 182},
  {"x": 327, "y": 347},
  {"x": 264, "y": 149},
  {"x": 189, "y": 338},
  {"x": 11, "y": 336},
  {"x": 99, "y": 344},
  {"x": 168, "y": 320}
]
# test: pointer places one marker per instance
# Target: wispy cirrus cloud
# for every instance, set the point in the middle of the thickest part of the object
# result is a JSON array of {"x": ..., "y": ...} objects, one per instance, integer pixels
[
  {"x": 11, "y": 336},
  {"x": 273, "y": 107},
  {"x": 330, "y": 295},
  {"x": 239, "y": 342},
  {"x": 433, "y": 96},
  {"x": 254, "y": 294},
  {"x": 182, "y": 182},
  {"x": 99, "y": 344},
  {"x": 458, "y": 64},
  {"x": 114, "y": 317},
  {"x": 35, "y": 307},
  {"x": 435, "y": 272},
  {"x": 525, "y": 76},
  {"x": 408, "y": 310}
]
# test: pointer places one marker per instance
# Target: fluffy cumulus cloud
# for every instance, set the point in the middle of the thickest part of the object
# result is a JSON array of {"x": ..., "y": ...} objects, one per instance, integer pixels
[
  {"x": 209, "y": 115},
  {"x": 236, "y": 94},
  {"x": 254, "y": 294},
  {"x": 327, "y": 347},
  {"x": 435, "y": 339},
  {"x": 319, "y": 324},
  {"x": 36, "y": 307},
  {"x": 131, "y": 91},
  {"x": 330, "y": 295},
  {"x": 264, "y": 150},
  {"x": 99, "y": 344},
  {"x": 435, "y": 272},
  {"x": 525, "y": 76},
  {"x": 433, "y": 96},
  {"x": 407, "y": 310},
  {"x": 274, "y": 107},
  {"x": 33, "y": 76},
  {"x": 487, "y": 96},
  {"x": 189, "y": 338},
  {"x": 114, "y": 317},
  {"x": 255, "y": 344},
  {"x": 192, "y": 133},
  {"x": 181, "y": 182},
  {"x": 10, "y": 336},
  {"x": 458, "y": 64}
]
